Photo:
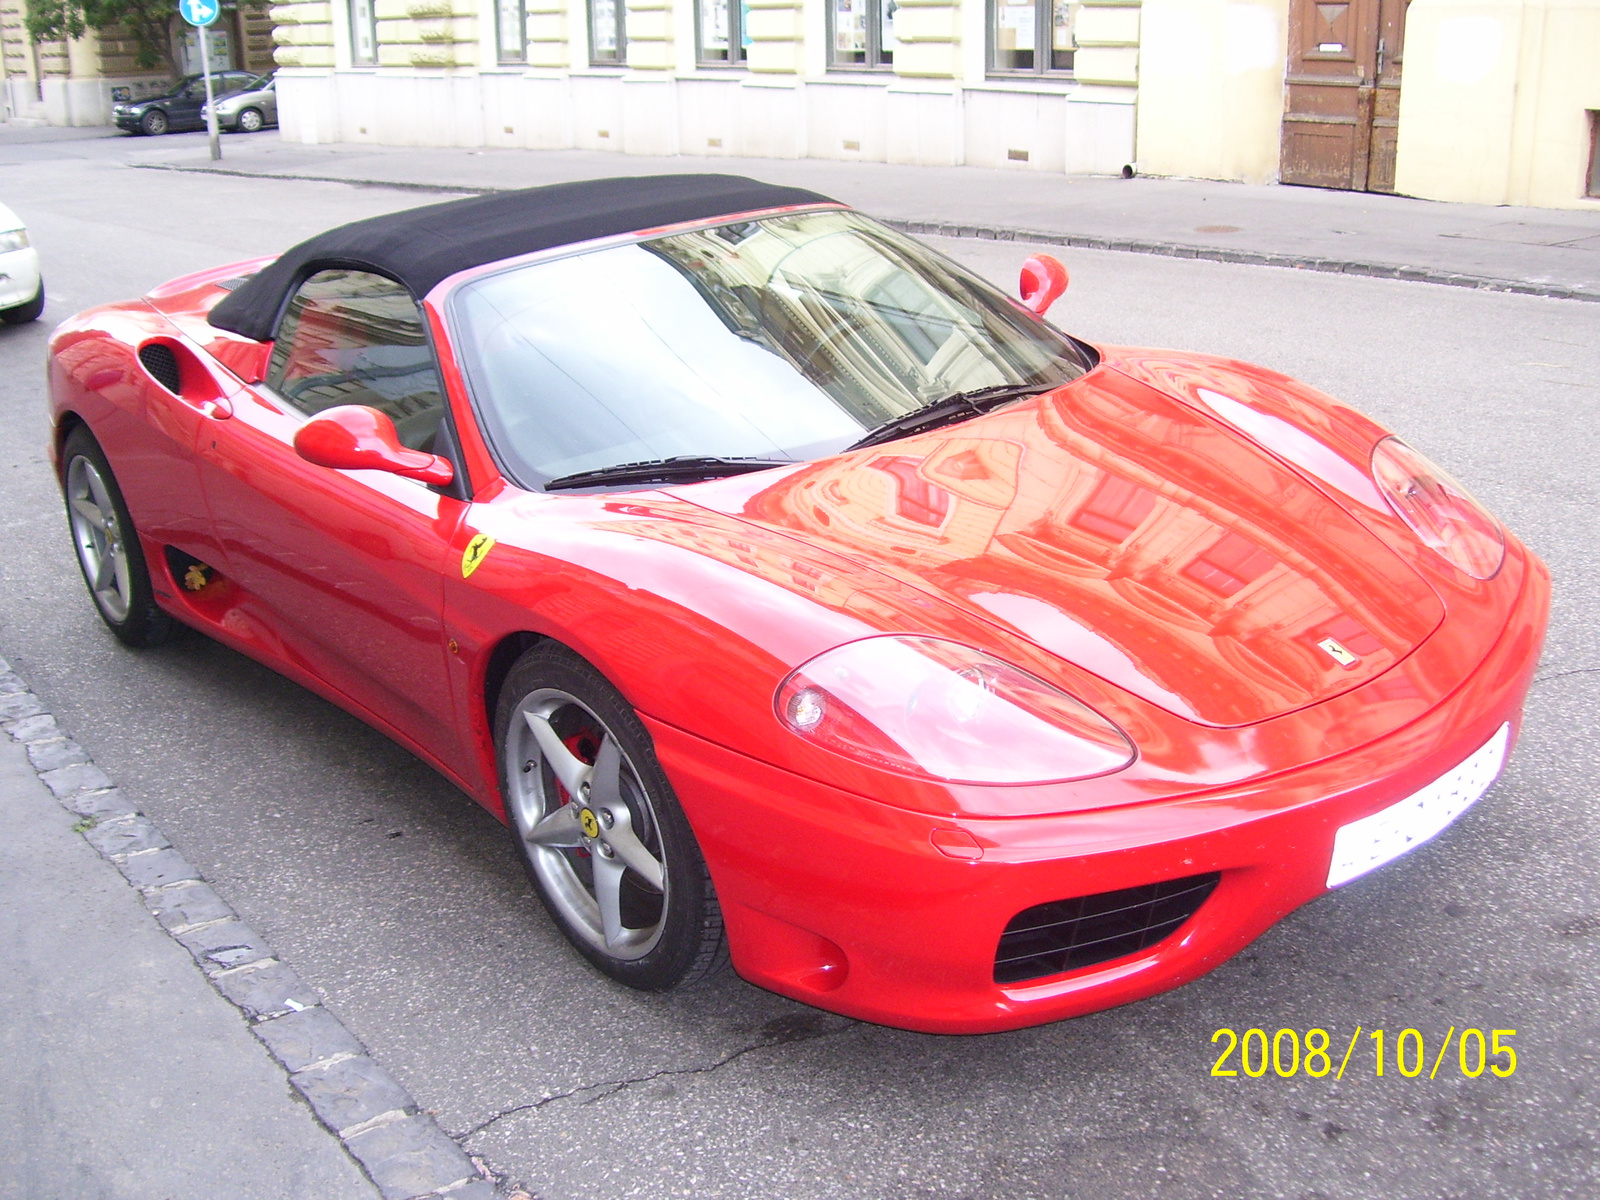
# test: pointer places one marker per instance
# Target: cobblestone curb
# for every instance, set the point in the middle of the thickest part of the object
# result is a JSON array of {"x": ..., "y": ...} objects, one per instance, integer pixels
[
  {"x": 402, "y": 1150},
  {"x": 1004, "y": 233}
]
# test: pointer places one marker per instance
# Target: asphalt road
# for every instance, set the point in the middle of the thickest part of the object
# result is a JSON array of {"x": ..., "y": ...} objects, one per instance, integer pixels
[{"x": 400, "y": 900}]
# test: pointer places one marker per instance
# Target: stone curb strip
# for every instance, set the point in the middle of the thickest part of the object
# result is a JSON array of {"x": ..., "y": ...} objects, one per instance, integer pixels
[
  {"x": 1002, "y": 233},
  {"x": 402, "y": 1150}
]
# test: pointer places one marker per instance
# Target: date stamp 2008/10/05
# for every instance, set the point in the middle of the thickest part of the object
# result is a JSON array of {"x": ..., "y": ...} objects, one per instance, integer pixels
[{"x": 1287, "y": 1054}]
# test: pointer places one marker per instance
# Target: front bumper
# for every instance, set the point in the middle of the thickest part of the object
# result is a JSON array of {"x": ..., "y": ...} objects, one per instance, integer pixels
[
  {"x": 845, "y": 903},
  {"x": 19, "y": 276}
]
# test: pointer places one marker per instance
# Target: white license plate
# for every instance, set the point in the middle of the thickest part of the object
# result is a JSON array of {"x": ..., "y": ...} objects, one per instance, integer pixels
[{"x": 1387, "y": 834}]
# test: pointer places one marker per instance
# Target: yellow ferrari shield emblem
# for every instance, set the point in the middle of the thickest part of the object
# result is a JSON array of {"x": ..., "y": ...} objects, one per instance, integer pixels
[
  {"x": 477, "y": 550},
  {"x": 591, "y": 827}
]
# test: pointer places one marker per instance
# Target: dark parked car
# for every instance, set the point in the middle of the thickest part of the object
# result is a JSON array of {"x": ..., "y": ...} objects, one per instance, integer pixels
[{"x": 181, "y": 107}]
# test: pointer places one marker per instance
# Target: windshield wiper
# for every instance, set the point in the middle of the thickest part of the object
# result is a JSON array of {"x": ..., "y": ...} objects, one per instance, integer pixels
[
  {"x": 952, "y": 408},
  {"x": 679, "y": 469}
]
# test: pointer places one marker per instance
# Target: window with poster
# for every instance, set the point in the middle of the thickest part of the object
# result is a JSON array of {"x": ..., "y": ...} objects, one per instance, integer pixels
[
  {"x": 720, "y": 37},
  {"x": 861, "y": 35},
  {"x": 1031, "y": 37},
  {"x": 608, "y": 33},
  {"x": 512, "y": 19},
  {"x": 363, "y": 34}
]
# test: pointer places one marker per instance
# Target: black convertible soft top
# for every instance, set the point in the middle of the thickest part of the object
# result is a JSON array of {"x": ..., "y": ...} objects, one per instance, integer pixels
[{"x": 421, "y": 246}]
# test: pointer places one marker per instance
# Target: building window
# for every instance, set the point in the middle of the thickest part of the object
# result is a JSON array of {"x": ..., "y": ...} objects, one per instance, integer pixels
[
  {"x": 363, "y": 34},
  {"x": 608, "y": 34},
  {"x": 720, "y": 32},
  {"x": 861, "y": 34},
  {"x": 1594, "y": 154},
  {"x": 512, "y": 17},
  {"x": 1031, "y": 37}
]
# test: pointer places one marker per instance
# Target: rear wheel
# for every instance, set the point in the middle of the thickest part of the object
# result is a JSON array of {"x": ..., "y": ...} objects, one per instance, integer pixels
[
  {"x": 153, "y": 122},
  {"x": 598, "y": 827},
  {"x": 28, "y": 310},
  {"x": 250, "y": 121},
  {"x": 109, "y": 553}
]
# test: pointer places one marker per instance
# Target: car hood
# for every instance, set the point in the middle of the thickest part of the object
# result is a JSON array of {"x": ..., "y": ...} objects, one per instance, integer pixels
[{"x": 1128, "y": 533}]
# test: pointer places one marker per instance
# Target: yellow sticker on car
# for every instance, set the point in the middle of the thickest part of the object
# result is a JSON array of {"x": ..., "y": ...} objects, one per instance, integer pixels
[{"x": 477, "y": 550}]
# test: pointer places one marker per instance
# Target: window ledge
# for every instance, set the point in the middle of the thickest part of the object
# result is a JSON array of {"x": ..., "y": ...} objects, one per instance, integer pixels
[{"x": 1051, "y": 84}]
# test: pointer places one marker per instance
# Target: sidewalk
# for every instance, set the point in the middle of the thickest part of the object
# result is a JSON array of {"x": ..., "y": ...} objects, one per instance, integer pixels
[
  {"x": 1546, "y": 251},
  {"x": 126, "y": 1074},
  {"x": 154, "y": 1049}
]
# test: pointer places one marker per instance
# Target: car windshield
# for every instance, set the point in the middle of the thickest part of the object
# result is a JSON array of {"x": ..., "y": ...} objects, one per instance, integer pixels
[
  {"x": 783, "y": 338},
  {"x": 257, "y": 84}
]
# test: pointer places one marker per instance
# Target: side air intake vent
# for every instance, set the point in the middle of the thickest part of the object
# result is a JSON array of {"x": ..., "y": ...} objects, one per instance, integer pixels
[
  {"x": 162, "y": 364},
  {"x": 1064, "y": 935}
]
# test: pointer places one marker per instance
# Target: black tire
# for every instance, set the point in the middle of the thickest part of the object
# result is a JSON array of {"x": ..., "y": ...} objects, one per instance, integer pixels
[
  {"x": 154, "y": 123},
  {"x": 128, "y": 607},
  {"x": 679, "y": 940},
  {"x": 250, "y": 120},
  {"x": 28, "y": 310}
]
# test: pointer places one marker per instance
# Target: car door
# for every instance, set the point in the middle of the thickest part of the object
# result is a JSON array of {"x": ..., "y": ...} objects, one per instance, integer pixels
[
  {"x": 344, "y": 565},
  {"x": 183, "y": 110}
]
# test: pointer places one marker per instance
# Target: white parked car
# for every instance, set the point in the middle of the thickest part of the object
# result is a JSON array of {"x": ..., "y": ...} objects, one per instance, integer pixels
[{"x": 21, "y": 284}]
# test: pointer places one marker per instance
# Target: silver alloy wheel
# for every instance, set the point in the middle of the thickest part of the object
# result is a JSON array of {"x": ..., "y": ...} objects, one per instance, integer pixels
[
  {"x": 98, "y": 536},
  {"x": 250, "y": 120},
  {"x": 591, "y": 832}
]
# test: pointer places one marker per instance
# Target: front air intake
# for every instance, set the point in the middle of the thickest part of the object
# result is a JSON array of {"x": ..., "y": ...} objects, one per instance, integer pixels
[
  {"x": 162, "y": 364},
  {"x": 1065, "y": 935}
]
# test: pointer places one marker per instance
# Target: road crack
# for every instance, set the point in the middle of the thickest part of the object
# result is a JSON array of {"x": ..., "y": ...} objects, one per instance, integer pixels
[
  {"x": 1563, "y": 674},
  {"x": 594, "y": 1093}
]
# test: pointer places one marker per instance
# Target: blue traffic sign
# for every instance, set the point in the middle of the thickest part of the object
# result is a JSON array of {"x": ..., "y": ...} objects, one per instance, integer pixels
[{"x": 199, "y": 12}]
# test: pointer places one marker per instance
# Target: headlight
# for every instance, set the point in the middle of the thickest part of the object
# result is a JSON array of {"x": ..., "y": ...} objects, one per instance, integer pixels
[
  {"x": 1438, "y": 509},
  {"x": 15, "y": 239},
  {"x": 940, "y": 710}
]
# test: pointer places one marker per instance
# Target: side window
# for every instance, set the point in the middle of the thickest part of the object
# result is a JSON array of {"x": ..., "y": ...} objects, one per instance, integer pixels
[{"x": 351, "y": 337}]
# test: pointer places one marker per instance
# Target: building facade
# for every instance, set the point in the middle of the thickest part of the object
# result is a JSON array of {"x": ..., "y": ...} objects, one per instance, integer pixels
[
  {"x": 1038, "y": 84},
  {"x": 75, "y": 81},
  {"x": 1479, "y": 101}
]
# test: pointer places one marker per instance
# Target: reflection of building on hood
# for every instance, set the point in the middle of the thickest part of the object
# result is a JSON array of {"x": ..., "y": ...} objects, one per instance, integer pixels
[{"x": 1102, "y": 529}]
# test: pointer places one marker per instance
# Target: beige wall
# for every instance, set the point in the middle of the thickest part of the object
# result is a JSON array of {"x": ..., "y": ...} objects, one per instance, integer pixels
[
  {"x": 1494, "y": 108},
  {"x": 936, "y": 107},
  {"x": 1211, "y": 88}
]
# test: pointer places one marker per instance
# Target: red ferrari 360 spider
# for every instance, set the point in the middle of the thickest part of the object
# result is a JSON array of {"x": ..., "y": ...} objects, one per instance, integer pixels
[{"x": 796, "y": 596}]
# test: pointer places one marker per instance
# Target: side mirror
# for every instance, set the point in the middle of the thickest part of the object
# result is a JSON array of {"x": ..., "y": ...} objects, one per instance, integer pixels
[
  {"x": 1044, "y": 278},
  {"x": 354, "y": 437}
]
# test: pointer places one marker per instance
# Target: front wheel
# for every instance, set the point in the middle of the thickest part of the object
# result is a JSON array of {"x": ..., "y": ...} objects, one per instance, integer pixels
[
  {"x": 153, "y": 123},
  {"x": 250, "y": 121},
  {"x": 598, "y": 828},
  {"x": 108, "y": 547}
]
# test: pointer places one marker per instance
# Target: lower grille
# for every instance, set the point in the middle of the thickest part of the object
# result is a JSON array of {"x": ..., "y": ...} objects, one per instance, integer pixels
[{"x": 1065, "y": 935}]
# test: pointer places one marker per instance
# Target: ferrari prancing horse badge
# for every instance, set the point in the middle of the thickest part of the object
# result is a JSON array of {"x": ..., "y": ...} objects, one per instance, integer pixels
[{"x": 477, "y": 550}]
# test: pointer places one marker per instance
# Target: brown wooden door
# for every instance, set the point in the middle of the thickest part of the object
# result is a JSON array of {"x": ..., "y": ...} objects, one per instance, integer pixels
[{"x": 1341, "y": 112}]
